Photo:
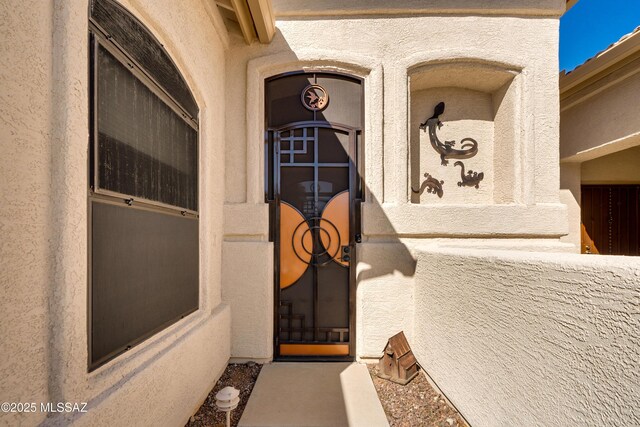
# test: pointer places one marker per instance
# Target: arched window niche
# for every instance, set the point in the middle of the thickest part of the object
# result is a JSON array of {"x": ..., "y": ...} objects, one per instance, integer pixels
[
  {"x": 481, "y": 102},
  {"x": 143, "y": 194}
]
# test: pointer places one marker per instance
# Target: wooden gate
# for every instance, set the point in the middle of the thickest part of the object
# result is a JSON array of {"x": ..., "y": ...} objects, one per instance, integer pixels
[{"x": 611, "y": 219}]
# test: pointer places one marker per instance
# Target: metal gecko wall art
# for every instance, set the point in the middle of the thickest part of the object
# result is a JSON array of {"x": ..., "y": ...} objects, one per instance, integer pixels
[
  {"x": 471, "y": 179},
  {"x": 468, "y": 146},
  {"x": 431, "y": 184},
  {"x": 468, "y": 149}
]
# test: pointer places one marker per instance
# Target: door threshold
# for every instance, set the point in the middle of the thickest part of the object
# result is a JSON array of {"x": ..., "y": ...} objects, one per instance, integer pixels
[{"x": 314, "y": 359}]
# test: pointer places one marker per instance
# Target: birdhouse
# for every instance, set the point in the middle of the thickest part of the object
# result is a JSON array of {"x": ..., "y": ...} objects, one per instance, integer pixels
[{"x": 398, "y": 364}]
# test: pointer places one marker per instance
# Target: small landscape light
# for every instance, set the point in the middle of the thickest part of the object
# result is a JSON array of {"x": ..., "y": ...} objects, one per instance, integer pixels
[{"x": 227, "y": 400}]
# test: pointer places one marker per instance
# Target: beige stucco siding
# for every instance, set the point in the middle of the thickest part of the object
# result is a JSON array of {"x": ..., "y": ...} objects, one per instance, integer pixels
[
  {"x": 26, "y": 259},
  {"x": 365, "y": 46},
  {"x": 531, "y": 339},
  {"x": 504, "y": 93},
  {"x": 621, "y": 167},
  {"x": 599, "y": 130},
  {"x": 517, "y": 96},
  {"x": 605, "y": 120},
  {"x": 43, "y": 218},
  {"x": 570, "y": 194}
]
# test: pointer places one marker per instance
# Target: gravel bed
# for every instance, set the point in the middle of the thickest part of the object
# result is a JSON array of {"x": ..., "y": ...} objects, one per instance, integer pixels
[
  {"x": 415, "y": 404},
  {"x": 241, "y": 376}
]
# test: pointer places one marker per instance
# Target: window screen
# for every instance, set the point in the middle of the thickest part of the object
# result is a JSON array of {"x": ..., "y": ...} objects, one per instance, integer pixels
[
  {"x": 144, "y": 186},
  {"x": 145, "y": 148},
  {"x": 144, "y": 273}
]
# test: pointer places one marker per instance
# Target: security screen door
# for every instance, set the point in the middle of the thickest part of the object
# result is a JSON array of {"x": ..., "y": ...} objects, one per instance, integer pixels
[{"x": 313, "y": 122}]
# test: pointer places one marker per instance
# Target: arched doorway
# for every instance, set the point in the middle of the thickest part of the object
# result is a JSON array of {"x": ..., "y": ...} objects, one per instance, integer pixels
[{"x": 314, "y": 136}]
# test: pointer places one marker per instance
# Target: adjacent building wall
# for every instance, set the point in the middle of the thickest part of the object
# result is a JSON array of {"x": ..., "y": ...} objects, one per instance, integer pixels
[
  {"x": 622, "y": 167},
  {"x": 531, "y": 339},
  {"x": 43, "y": 222},
  {"x": 600, "y": 120},
  {"x": 599, "y": 127}
]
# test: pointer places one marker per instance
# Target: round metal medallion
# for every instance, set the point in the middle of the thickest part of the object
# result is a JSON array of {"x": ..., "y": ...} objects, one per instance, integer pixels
[{"x": 314, "y": 97}]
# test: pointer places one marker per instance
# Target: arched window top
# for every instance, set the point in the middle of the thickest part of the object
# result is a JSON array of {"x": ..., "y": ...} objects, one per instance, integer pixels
[{"x": 126, "y": 31}]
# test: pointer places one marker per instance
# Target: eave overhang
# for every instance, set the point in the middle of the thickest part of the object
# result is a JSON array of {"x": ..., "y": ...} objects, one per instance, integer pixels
[{"x": 254, "y": 18}]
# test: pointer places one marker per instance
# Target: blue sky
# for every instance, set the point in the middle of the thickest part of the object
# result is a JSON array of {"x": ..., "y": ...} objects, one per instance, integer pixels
[{"x": 592, "y": 25}]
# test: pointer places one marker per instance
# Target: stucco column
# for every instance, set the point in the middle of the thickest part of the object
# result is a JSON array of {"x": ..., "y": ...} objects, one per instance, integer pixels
[{"x": 395, "y": 135}]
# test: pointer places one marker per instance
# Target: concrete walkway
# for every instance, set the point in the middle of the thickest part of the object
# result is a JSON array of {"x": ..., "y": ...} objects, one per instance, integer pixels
[{"x": 313, "y": 394}]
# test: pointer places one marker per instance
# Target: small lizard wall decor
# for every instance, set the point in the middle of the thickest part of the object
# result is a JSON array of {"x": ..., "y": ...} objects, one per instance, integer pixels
[
  {"x": 471, "y": 179},
  {"x": 431, "y": 184}
]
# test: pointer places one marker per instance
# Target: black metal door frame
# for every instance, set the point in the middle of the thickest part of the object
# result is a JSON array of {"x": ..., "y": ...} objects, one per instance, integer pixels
[{"x": 354, "y": 230}]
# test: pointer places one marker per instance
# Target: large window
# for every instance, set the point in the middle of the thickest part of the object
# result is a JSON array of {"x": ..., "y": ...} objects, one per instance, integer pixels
[{"x": 144, "y": 186}]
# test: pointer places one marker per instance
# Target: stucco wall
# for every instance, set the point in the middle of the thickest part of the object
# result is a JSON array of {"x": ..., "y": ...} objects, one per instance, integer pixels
[
  {"x": 531, "y": 339},
  {"x": 570, "y": 195},
  {"x": 622, "y": 167},
  {"x": 521, "y": 210},
  {"x": 246, "y": 266},
  {"x": 43, "y": 219},
  {"x": 385, "y": 278},
  {"x": 368, "y": 52},
  {"x": 26, "y": 261}
]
